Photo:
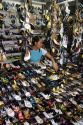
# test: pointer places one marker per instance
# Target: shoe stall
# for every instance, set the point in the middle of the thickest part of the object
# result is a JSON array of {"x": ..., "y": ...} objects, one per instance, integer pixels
[{"x": 35, "y": 94}]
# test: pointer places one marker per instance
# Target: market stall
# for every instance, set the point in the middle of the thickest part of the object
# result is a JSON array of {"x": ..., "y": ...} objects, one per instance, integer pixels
[{"x": 34, "y": 93}]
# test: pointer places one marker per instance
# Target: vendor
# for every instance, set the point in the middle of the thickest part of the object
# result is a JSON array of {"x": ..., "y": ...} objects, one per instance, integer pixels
[{"x": 37, "y": 52}]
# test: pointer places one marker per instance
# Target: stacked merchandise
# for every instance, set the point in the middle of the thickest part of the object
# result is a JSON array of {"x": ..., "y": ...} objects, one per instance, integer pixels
[
  {"x": 12, "y": 49},
  {"x": 36, "y": 94},
  {"x": 11, "y": 17}
]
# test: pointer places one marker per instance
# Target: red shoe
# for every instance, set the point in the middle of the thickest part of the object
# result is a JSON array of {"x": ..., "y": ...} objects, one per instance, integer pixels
[{"x": 20, "y": 116}]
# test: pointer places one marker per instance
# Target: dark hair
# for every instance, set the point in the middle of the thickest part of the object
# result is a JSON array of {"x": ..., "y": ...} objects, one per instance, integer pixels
[{"x": 35, "y": 39}]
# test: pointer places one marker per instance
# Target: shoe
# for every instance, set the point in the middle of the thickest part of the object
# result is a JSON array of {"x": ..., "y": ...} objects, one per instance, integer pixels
[
  {"x": 62, "y": 107},
  {"x": 38, "y": 100},
  {"x": 26, "y": 114},
  {"x": 40, "y": 107},
  {"x": 20, "y": 116},
  {"x": 27, "y": 94},
  {"x": 8, "y": 122},
  {"x": 25, "y": 83},
  {"x": 57, "y": 110},
  {"x": 21, "y": 76},
  {"x": 17, "y": 97},
  {"x": 48, "y": 116},
  {"x": 26, "y": 123},
  {"x": 45, "y": 96},
  {"x": 32, "y": 100},
  {"x": 53, "y": 122},
  {"x": 16, "y": 108},
  {"x": 39, "y": 120},
  {"x": 28, "y": 104},
  {"x": 1, "y": 104},
  {"x": 4, "y": 80},
  {"x": 4, "y": 91},
  {"x": 9, "y": 88},
  {"x": 53, "y": 77},
  {"x": 10, "y": 112},
  {"x": 15, "y": 86}
]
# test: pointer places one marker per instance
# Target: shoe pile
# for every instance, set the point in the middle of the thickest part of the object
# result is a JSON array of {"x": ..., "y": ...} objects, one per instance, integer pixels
[{"x": 32, "y": 95}]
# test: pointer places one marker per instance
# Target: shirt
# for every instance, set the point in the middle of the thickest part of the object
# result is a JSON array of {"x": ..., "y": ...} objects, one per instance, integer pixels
[{"x": 35, "y": 55}]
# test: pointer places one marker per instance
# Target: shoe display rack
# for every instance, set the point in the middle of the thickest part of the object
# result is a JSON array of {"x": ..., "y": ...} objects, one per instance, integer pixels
[
  {"x": 10, "y": 18},
  {"x": 10, "y": 27},
  {"x": 36, "y": 17},
  {"x": 37, "y": 95}
]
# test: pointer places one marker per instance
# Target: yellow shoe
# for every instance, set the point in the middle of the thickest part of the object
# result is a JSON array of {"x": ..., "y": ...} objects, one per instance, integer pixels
[{"x": 1, "y": 104}]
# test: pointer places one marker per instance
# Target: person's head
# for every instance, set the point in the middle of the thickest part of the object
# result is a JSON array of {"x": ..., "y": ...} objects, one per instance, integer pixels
[{"x": 37, "y": 42}]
